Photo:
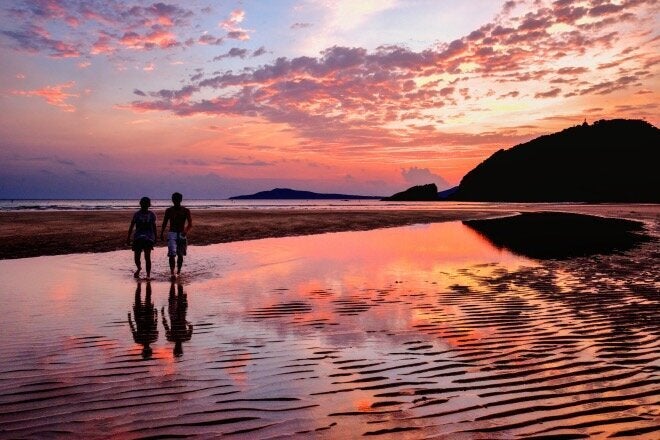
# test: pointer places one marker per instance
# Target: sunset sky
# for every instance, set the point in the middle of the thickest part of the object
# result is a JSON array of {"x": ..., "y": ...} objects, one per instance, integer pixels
[{"x": 119, "y": 98}]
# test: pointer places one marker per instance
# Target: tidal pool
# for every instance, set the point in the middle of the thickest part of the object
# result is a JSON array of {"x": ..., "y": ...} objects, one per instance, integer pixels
[{"x": 414, "y": 332}]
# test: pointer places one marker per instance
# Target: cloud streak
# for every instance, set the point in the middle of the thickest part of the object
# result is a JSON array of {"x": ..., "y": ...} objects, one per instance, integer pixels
[{"x": 55, "y": 95}]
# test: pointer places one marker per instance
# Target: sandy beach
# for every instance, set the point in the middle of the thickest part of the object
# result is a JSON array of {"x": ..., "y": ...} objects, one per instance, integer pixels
[{"x": 31, "y": 234}]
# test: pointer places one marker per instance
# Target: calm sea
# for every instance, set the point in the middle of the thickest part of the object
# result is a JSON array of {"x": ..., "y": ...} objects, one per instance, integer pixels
[{"x": 116, "y": 204}]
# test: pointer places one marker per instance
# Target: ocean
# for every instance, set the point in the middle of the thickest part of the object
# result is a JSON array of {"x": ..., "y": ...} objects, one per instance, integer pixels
[{"x": 120, "y": 204}]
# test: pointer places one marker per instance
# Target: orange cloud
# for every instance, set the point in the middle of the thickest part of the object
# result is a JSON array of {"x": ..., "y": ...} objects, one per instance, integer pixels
[
  {"x": 53, "y": 95},
  {"x": 103, "y": 45},
  {"x": 158, "y": 38}
]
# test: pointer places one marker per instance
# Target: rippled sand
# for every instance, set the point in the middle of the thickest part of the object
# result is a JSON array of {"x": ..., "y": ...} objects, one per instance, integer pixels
[{"x": 414, "y": 332}]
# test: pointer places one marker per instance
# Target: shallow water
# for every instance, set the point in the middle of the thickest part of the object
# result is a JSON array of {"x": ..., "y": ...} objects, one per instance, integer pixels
[{"x": 415, "y": 332}]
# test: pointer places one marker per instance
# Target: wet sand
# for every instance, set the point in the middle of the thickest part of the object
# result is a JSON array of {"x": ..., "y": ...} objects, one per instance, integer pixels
[
  {"x": 417, "y": 332},
  {"x": 31, "y": 234}
]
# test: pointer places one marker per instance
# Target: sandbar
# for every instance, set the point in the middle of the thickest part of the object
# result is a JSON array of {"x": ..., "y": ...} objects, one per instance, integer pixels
[{"x": 30, "y": 234}]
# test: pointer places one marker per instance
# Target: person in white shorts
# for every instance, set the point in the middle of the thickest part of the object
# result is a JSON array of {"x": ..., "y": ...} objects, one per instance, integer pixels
[{"x": 180, "y": 223}]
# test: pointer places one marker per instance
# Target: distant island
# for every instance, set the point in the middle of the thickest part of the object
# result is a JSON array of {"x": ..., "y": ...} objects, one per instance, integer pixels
[
  {"x": 292, "y": 194},
  {"x": 609, "y": 161},
  {"x": 420, "y": 193}
]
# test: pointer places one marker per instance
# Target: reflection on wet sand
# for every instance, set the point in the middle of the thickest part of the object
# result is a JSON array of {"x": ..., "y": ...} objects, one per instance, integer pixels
[
  {"x": 560, "y": 235},
  {"x": 144, "y": 323},
  {"x": 417, "y": 332},
  {"x": 179, "y": 330}
]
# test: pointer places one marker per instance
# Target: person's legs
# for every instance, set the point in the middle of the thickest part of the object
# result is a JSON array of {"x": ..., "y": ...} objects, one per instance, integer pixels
[
  {"x": 171, "y": 250},
  {"x": 172, "y": 265},
  {"x": 181, "y": 247},
  {"x": 147, "y": 261},
  {"x": 136, "y": 257}
]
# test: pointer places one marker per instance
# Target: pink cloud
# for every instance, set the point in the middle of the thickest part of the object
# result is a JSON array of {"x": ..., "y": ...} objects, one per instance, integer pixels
[
  {"x": 421, "y": 176},
  {"x": 34, "y": 39},
  {"x": 553, "y": 93},
  {"x": 572, "y": 70},
  {"x": 116, "y": 23},
  {"x": 158, "y": 38},
  {"x": 238, "y": 34},
  {"x": 72, "y": 21},
  {"x": 607, "y": 87},
  {"x": 512, "y": 94},
  {"x": 103, "y": 45},
  {"x": 347, "y": 97},
  {"x": 53, "y": 95},
  {"x": 235, "y": 18},
  {"x": 232, "y": 25},
  {"x": 605, "y": 9}
]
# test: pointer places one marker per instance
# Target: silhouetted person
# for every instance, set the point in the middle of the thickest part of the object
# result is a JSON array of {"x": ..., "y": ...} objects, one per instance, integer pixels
[
  {"x": 145, "y": 328},
  {"x": 180, "y": 223},
  {"x": 144, "y": 222},
  {"x": 178, "y": 330}
]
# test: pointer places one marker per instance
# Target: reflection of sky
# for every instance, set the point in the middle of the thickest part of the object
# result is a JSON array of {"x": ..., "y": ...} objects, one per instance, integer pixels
[
  {"x": 50, "y": 297},
  {"x": 346, "y": 264}
]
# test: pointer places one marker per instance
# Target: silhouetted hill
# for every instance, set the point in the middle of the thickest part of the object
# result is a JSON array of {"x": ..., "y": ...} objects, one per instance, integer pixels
[
  {"x": 418, "y": 193},
  {"x": 446, "y": 194},
  {"x": 609, "y": 161},
  {"x": 292, "y": 194}
]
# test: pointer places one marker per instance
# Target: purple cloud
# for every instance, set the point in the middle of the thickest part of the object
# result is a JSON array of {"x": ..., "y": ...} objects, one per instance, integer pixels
[{"x": 234, "y": 52}]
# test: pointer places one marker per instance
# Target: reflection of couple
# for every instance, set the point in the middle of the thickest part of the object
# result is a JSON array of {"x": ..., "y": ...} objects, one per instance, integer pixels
[
  {"x": 144, "y": 324},
  {"x": 145, "y": 328},
  {"x": 179, "y": 330}
]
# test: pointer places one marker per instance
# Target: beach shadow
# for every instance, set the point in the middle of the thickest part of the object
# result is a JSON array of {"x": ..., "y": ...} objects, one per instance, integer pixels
[
  {"x": 178, "y": 330},
  {"x": 557, "y": 235},
  {"x": 144, "y": 322}
]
